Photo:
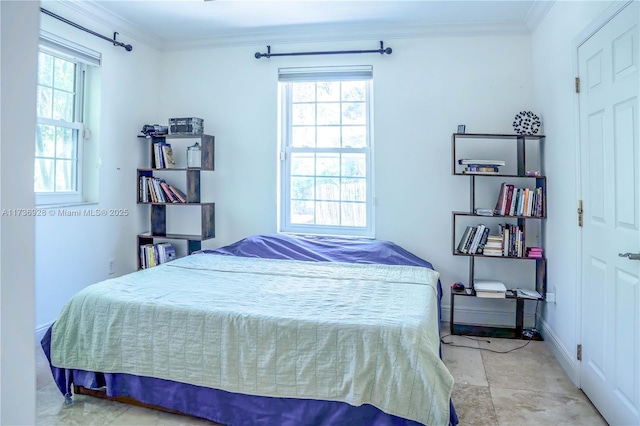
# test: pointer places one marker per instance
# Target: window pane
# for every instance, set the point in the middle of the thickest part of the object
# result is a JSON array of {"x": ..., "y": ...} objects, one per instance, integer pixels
[
  {"x": 45, "y": 142},
  {"x": 45, "y": 100},
  {"x": 303, "y": 136},
  {"x": 43, "y": 175},
  {"x": 327, "y": 213},
  {"x": 303, "y": 114},
  {"x": 45, "y": 69},
  {"x": 328, "y": 189},
  {"x": 353, "y": 90},
  {"x": 329, "y": 113},
  {"x": 328, "y": 91},
  {"x": 328, "y": 165},
  {"x": 354, "y": 189},
  {"x": 64, "y": 175},
  {"x": 354, "y": 136},
  {"x": 303, "y": 92},
  {"x": 353, "y": 113},
  {"x": 302, "y": 212},
  {"x": 302, "y": 188},
  {"x": 62, "y": 105},
  {"x": 65, "y": 143},
  {"x": 329, "y": 137},
  {"x": 302, "y": 164},
  {"x": 64, "y": 75},
  {"x": 354, "y": 214},
  {"x": 354, "y": 165}
]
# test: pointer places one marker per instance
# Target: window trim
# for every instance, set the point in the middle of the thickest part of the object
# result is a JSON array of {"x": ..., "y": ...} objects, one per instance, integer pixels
[
  {"x": 82, "y": 57},
  {"x": 286, "y": 149}
]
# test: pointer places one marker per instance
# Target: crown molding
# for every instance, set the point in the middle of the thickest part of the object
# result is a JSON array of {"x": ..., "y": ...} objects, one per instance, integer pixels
[
  {"x": 333, "y": 33},
  {"x": 292, "y": 34},
  {"x": 536, "y": 14},
  {"x": 98, "y": 13}
]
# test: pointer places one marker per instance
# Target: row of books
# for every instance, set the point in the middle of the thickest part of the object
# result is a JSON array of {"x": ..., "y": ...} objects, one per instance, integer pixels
[
  {"x": 514, "y": 201},
  {"x": 508, "y": 243},
  {"x": 163, "y": 156},
  {"x": 155, "y": 254},
  {"x": 156, "y": 190},
  {"x": 473, "y": 240}
]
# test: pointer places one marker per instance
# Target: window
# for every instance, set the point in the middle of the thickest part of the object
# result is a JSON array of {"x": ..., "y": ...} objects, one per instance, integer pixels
[
  {"x": 61, "y": 109},
  {"x": 325, "y": 134}
]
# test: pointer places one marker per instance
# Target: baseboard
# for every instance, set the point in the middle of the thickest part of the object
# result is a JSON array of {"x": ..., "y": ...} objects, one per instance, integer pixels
[
  {"x": 41, "y": 330},
  {"x": 486, "y": 316},
  {"x": 565, "y": 357}
]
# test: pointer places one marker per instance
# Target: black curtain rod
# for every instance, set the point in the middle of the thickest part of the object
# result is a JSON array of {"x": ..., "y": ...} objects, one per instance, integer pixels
[
  {"x": 381, "y": 51},
  {"x": 127, "y": 47}
]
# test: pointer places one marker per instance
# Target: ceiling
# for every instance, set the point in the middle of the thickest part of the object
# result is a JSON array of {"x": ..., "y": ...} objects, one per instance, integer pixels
[{"x": 180, "y": 24}]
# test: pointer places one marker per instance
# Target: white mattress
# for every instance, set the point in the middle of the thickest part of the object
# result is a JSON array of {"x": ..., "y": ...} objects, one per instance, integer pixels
[{"x": 362, "y": 334}]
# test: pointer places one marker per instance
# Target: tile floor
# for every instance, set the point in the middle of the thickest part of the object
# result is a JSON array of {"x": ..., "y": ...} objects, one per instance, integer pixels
[{"x": 523, "y": 387}]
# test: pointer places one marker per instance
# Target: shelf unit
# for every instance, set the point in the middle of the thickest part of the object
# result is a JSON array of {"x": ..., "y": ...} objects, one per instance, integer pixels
[
  {"x": 158, "y": 211},
  {"x": 519, "y": 154}
]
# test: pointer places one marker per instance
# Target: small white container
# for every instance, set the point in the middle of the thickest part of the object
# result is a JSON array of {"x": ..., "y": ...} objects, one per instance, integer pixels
[{"x": 194, "y": 156}]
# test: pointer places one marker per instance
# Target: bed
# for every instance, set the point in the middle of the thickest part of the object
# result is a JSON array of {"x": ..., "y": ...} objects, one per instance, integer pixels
[{"x": 271, "y": 330}]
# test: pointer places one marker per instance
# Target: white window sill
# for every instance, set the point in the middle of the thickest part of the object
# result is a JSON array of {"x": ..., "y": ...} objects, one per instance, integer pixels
[{"x": 60, "y": 205}]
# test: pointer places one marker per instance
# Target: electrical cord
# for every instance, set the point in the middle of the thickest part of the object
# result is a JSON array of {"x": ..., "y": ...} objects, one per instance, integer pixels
[{"x": 533, "y": 333}]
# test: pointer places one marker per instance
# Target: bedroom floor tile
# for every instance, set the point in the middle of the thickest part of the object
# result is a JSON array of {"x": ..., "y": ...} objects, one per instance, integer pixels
[
  {"x": 474, "y": 405},
  {"x": 51, "y": 411},
  {"x": 43, "y": 372},
  {"x": 522, "y": 408},
  {"x": 531, "y": 368},
  {"x": 465, "y": 364}
]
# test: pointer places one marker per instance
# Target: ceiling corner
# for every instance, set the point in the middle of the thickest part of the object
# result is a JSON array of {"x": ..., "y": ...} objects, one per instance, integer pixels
[
  {"x": 536, "y": 14},
  {"x": 98, "y": 13}
]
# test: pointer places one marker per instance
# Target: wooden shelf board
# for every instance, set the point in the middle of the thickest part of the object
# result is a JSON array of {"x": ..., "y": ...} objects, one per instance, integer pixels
[{"x": 175, "y": 237}]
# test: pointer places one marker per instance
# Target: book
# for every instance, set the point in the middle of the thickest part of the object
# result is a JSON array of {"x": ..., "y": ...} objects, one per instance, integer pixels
[
  {"x": 489, "y": 288},
  {"x": 484, "y": 212},
  {"x": 466, "y": 161},
  {"x": 463, "y": 240},
  {"x": 167, "y": 156},
  {"x": 528, "y": 294},
  {"x": 181, "y": 195}
]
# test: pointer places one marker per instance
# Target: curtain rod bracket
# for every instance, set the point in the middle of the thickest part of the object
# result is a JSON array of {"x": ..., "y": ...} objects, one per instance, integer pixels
[{"x": 381, "y": 51}]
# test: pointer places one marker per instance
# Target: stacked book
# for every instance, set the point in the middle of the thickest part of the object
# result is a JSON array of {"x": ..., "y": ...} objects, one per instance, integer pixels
[
  {"x": 514, "y": 201},
  {"x": 155, "y": 254},
  {"x": 473, "y": 240},
  {"x": 156, "y": 190},
  {"x": 535, "y": 252},
  {"x": 481, "y": 167},
  {"x": 493, "y": 247},
  {"x": 489, "y": 288}
]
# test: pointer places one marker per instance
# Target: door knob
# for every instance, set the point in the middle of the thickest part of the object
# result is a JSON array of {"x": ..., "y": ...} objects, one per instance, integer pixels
[{"x": 631, "y": 256}]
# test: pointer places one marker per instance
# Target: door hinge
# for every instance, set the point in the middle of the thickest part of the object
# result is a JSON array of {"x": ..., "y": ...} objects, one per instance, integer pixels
[
  {"x": 283, "y": 155},
  {"x": 579, "y": 212},
  {"x": 577, "y": 84},
  {"x": 579, "y": 352}
]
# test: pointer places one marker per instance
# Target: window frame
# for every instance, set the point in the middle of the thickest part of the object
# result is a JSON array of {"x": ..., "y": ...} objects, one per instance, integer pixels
[
  {"x": 84, "y": 59},
  {"x": 286, "y": 148}
]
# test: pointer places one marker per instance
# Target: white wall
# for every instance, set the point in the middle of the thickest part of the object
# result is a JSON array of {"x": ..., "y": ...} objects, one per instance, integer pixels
[
  {"x": 421, "y": 93},
  {"x": 73, "y": 252},
  {"x": 18, "y": 29},
  {"x": 553, "y": 71}
]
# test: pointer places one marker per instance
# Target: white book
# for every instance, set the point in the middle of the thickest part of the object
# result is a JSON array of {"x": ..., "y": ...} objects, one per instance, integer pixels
[
  {"x": 482, "y": 162},
  {"x": 491, "y": 286}
]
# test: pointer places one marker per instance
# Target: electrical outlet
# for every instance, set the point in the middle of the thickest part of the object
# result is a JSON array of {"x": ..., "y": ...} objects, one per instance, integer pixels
[
  {"x": 112, "y": 266},
  {"x": 551, "y": 298}
]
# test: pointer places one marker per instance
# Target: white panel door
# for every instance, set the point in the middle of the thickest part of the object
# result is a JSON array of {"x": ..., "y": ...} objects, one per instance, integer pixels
[{"x": 610, "y": 367}]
